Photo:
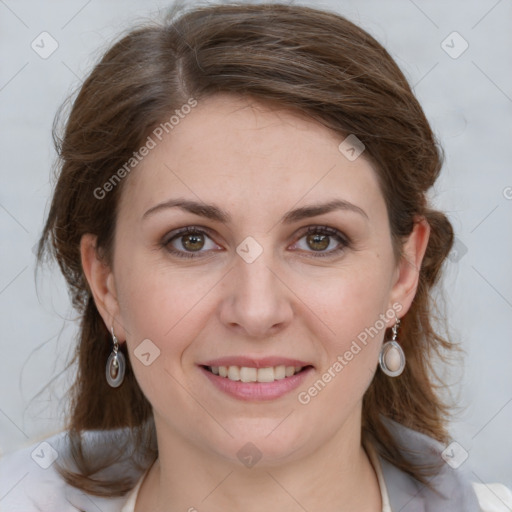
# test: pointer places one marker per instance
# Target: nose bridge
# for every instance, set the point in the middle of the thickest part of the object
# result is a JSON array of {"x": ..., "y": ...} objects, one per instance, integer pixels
[
  {"x": 255, "y": 279},
  {"x": 255, "y": 257},
  {"x": 257, "y": 301}
]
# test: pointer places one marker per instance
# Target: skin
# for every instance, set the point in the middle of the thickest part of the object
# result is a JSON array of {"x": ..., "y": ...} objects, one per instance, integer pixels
[{"x": 257, "y": 163}]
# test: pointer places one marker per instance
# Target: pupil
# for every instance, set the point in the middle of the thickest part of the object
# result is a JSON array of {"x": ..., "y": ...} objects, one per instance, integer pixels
[
  {"x": 190, "y": 242},
  {"x": 321, "y": 241}
]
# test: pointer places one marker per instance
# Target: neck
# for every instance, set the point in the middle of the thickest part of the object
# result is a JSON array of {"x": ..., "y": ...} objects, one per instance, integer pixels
[{"x": 337, "y": 477}]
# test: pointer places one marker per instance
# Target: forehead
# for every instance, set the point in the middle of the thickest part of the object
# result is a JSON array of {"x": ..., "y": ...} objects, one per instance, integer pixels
[{"x": 243, "y": 153}]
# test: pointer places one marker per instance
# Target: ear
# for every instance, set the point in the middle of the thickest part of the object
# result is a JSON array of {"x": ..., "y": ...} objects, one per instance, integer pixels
[
  {"x": 101, "y": 282},
  {"x": 408, "y": 270}
]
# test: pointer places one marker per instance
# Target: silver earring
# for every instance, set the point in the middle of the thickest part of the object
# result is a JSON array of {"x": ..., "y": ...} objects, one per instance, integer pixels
[
  {"x": 392, "y": 357},
  {"x": 116, "y": 364}
]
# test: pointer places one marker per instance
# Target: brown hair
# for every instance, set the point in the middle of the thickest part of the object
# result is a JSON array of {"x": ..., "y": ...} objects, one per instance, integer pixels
[{"x": 313, "y": 62}]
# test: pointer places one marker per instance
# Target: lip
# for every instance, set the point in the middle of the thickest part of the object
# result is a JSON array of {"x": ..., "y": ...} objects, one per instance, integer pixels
[
  {"x": 256, "y": 391},
  {"x": 255, "y": 362}
]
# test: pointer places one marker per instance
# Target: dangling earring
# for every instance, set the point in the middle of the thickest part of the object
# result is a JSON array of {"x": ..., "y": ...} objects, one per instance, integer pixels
[
  {"x": 392, "y": 357},
  {"x": 115, "y": 364}
]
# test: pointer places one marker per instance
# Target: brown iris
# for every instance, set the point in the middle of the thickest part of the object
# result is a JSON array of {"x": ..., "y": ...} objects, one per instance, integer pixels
[
  {"x": 193, "y": 242},
  {"x": 318, "y": 242}
]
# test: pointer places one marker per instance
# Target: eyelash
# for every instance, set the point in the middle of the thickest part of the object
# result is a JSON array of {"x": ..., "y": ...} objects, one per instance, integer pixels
[{"x": 193, "y": 230}]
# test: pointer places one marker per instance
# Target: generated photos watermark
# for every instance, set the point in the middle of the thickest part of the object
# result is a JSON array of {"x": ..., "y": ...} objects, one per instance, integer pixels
[
  {"x": 304, "y": 397},
  {"x": 151, "y": 142}
]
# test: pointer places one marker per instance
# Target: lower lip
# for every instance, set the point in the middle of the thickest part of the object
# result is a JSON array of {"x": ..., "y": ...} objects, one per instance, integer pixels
[{"x": 257, "y": 391}]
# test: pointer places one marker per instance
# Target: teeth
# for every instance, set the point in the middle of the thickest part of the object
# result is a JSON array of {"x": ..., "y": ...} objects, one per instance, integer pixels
[
  {"x": 290, "y": 370},
  {"x": 234, "y": 373},
  {"x": 280, "y": 372},
  {"x": 266, "y": 374},
  {"x": 246, "y": 374}
]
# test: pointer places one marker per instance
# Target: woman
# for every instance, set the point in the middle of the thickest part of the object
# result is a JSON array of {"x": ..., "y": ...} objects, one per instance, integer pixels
[{"x": 242, "y": 221}]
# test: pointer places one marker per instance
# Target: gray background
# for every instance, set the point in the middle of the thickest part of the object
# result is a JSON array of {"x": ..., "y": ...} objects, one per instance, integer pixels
[{"x": 467, "y": 99}]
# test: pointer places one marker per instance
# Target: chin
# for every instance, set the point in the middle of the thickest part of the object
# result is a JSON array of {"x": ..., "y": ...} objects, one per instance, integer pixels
[{"x": 264, "y": 444}]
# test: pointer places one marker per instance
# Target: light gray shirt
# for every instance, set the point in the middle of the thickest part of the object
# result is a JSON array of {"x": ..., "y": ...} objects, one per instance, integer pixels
[{"x": 29, "y": 481}]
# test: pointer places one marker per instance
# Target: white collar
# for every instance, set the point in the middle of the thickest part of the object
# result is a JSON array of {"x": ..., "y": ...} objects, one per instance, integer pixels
[{"x": 375, "y": 461}]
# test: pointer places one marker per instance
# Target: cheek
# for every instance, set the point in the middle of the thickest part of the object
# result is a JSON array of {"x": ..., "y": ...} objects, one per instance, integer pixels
[
  {"x": 354, "y": 304},
  {"x": 352, "y": 300},
  {"x": 162, "y": 314},
  {"x": 156, "y": 298},
  {"x": 163, "y": 310},
  {"x": 356, "y": 310}
]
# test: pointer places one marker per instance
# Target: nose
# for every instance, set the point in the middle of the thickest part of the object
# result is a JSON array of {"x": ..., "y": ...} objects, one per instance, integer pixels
[{"x": 256, "y": 301}]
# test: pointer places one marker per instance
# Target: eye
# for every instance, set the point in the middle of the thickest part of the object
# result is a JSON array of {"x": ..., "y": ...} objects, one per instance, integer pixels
[
  {"x": 188, "y": 242},
  {"x": 318, "y": 239},
  {"x": 193, "y": 242}
]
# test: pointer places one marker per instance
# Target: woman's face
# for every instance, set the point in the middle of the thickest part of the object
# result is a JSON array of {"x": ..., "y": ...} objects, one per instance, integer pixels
[{"x": 250, "y": 288}]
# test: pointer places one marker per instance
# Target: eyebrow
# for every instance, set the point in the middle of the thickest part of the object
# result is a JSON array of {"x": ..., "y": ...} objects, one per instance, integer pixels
[{"x": 215, "y": 213}]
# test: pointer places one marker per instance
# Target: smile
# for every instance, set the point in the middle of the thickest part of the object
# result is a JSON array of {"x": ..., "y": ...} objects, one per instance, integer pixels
[{"x": 248, "y": 379}]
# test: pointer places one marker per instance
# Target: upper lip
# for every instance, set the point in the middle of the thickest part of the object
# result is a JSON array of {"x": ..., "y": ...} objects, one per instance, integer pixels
[{"x": 253, "y": 362}]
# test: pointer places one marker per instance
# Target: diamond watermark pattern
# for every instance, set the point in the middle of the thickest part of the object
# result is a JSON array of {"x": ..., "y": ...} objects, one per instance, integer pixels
[
  {"x": 351, "y": 147},
  {"x": 249, "y": 455},
  {"x": 459, "y": 250},
  {"x": 147, "y": 352},
  {"x": 44, "y": 455},
  {"x": 44, "y": 45},
  {"x": 249, "y": 250},
  {"x": 454, "y": 45},
  {"x": 454, "y": 455}
]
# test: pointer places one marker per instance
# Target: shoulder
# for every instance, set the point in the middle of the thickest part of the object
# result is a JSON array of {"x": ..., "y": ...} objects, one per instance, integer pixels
[
  {"x": 453, "y": 486},
  {"x": 30, "y": 482},
  {"x": 493, "y": 497},
  {"x": 28, "y": 474}
]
